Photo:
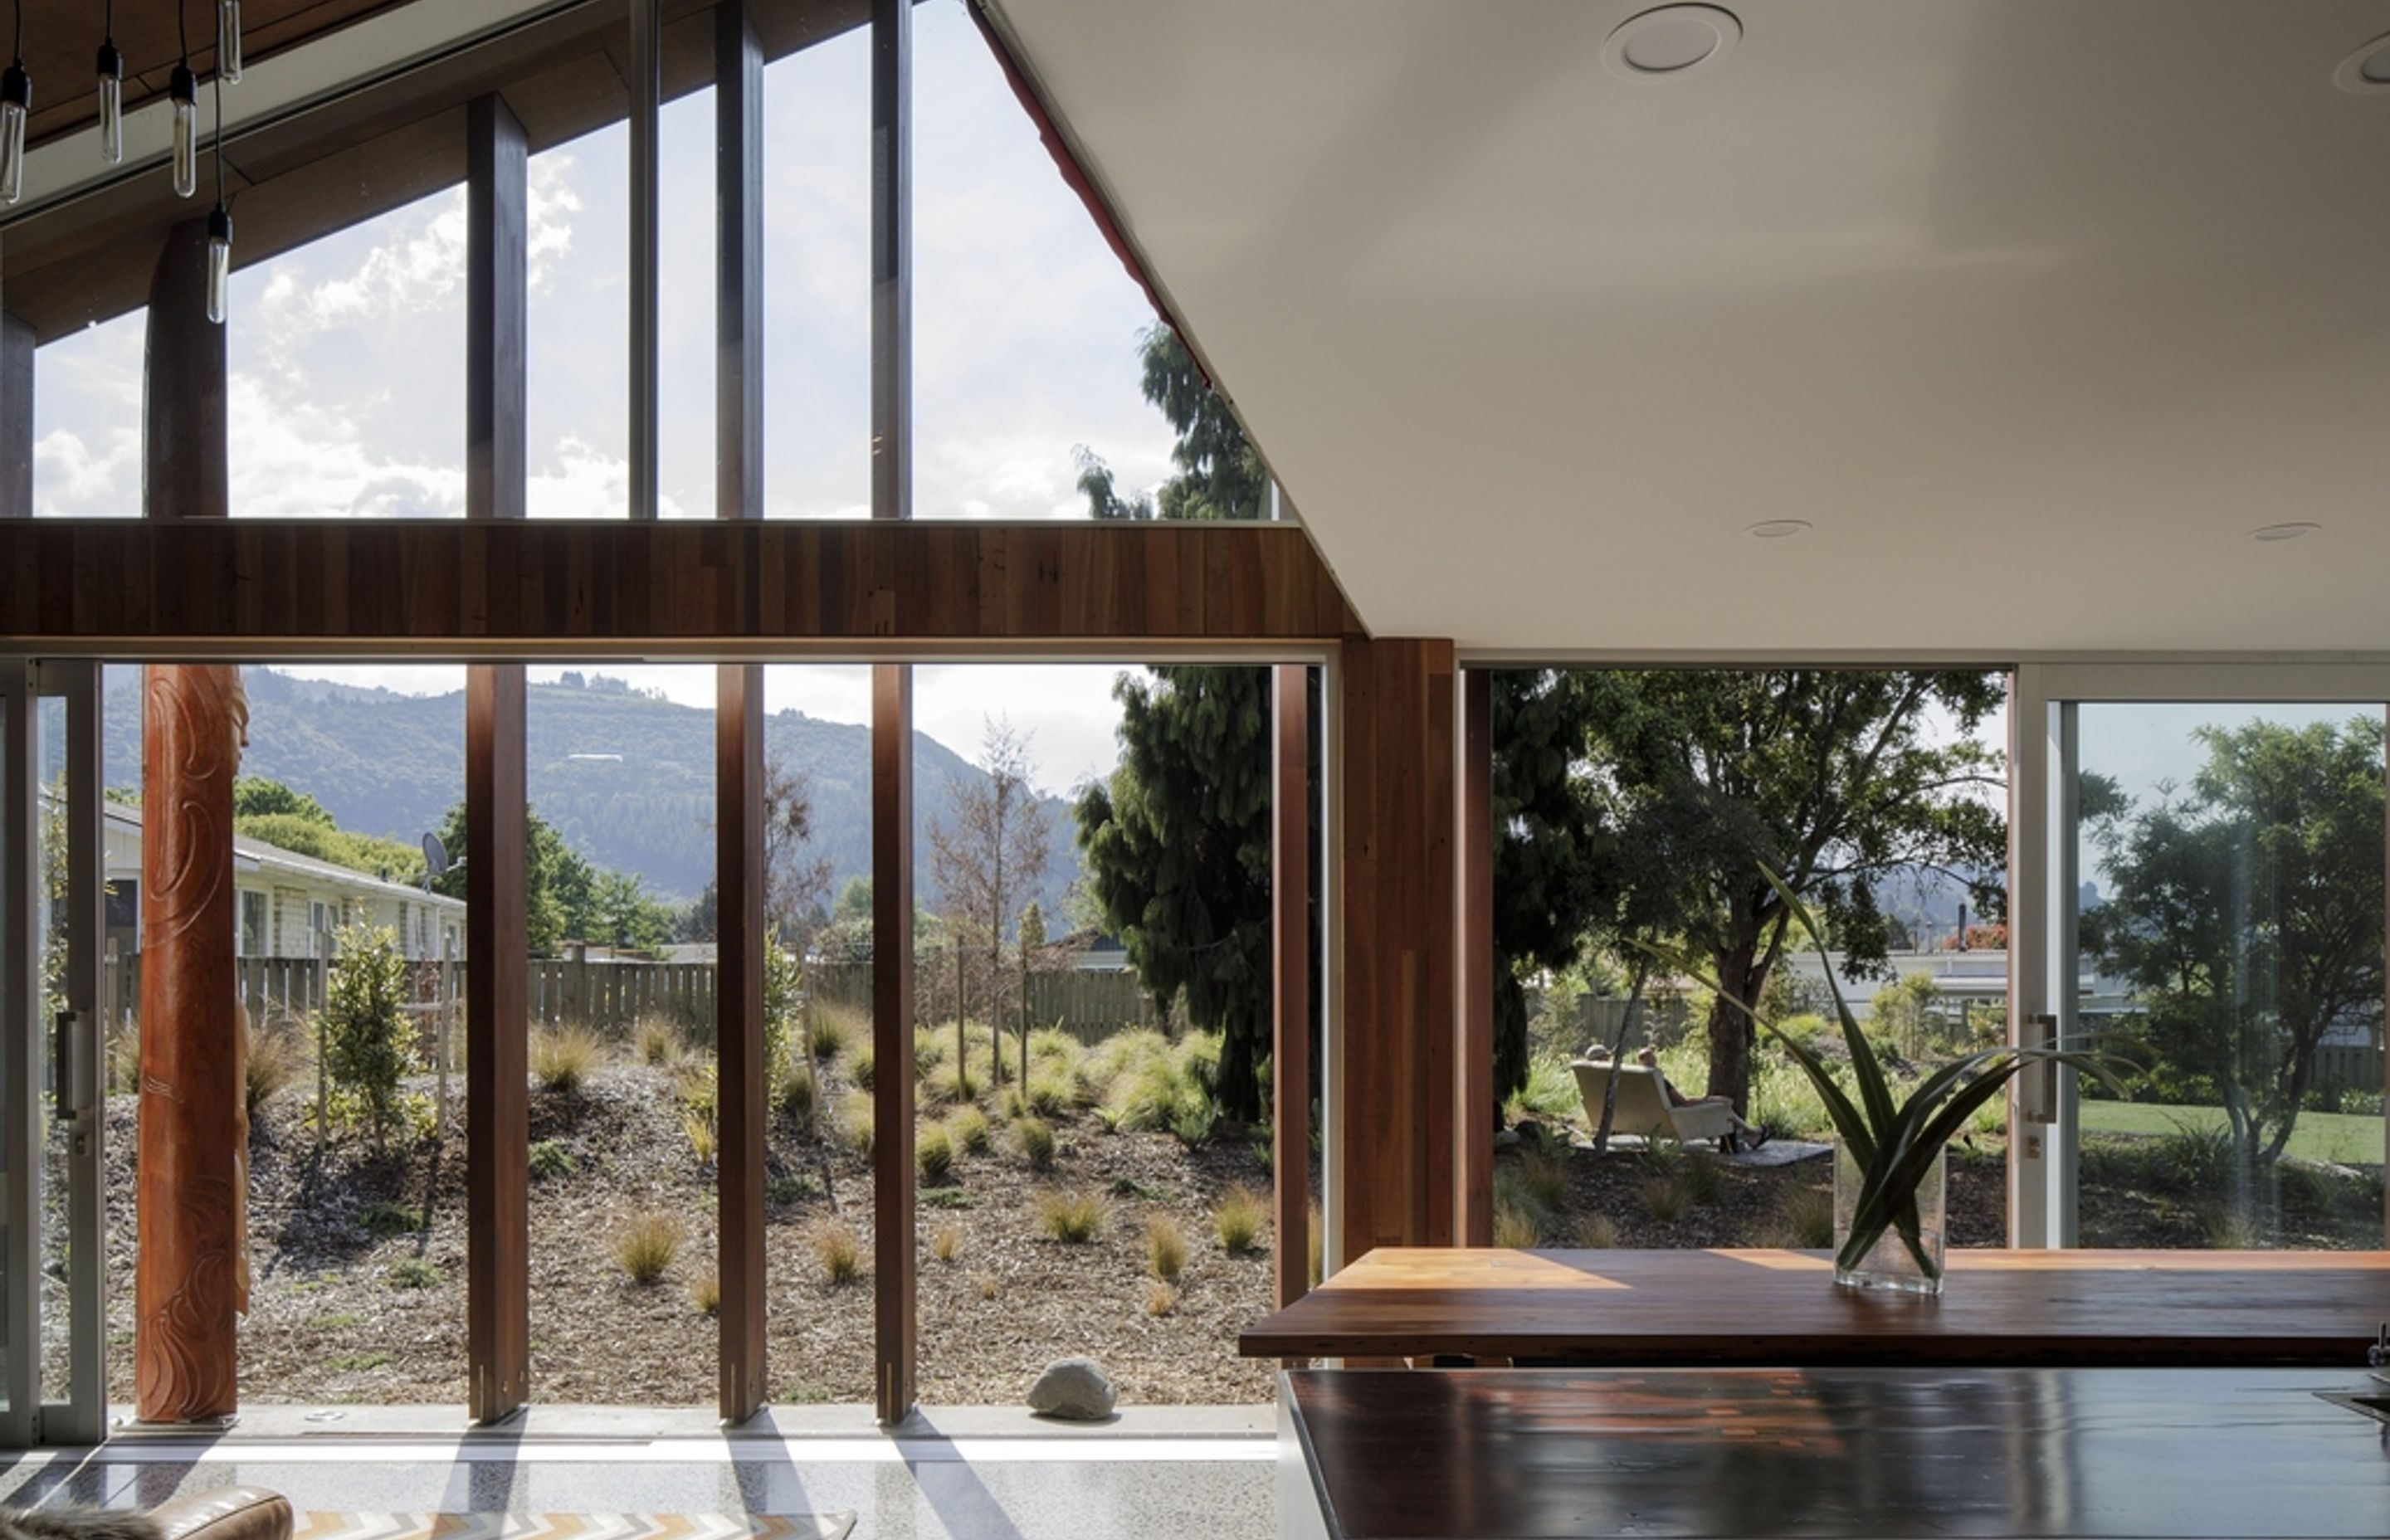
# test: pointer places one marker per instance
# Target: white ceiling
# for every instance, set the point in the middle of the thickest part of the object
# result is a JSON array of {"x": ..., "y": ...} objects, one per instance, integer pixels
[{"x": 2034, "y": 307}]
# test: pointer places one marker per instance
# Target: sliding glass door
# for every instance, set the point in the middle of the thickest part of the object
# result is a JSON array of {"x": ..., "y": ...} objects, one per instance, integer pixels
[
  {"x": 52, "y": 1330},
  {"x": 2213, "y": 915}
]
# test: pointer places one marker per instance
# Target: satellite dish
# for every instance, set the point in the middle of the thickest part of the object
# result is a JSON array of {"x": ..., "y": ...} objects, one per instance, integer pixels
[{"x": 435, "y": 857}]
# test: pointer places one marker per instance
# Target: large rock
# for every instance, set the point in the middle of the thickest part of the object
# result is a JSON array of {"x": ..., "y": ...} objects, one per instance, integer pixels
[{"x": 1074, "y": 1390}]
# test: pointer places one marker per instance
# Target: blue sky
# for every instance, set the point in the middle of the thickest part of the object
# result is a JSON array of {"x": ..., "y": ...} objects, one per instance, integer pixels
[{"x": 346, "y": 358}]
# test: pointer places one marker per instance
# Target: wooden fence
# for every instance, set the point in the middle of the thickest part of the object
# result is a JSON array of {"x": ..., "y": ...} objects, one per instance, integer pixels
[{"x": 1089, "y": 1006}]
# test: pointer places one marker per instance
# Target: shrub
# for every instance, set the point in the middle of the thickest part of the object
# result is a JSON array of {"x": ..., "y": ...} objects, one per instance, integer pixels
[
  {"x": 933, "y": 1154},
  {"x": 550, "y": 1159},
  {"x": 1072, "y": 1218},
  {"x": 2198, "y": 1158},
  {"x": 1516, "y": 1227},
  {"x": 1166, "y": 1248},
  {"x": 562, "y": 1059},
  {"x": 367, "y": 1047},
  {"x": 790, "y": 1189},
  {"x": 1704, "y": 1176},
  {"x": 646, "y": 1245},
  {"x": 855, "y": 1115},
  {"x": 414, "y": 1273},
  {"x": 1808, "y": 1214},
  {"x": 705, "y": 1293},
  {"x": 1199, "y": 1061},
  {"x": 1191, "y": 1126},
  {"x": 1159, "y": 1299},
  {"x": 968, "y": 1128},
  {"x": 838, "y": 1252},
  {"x": 793, "y": 1094},
  {"x": 947, "y": 1242},
  {"x": 1239, "y": 1219},
  {"x": 1596, "y": 1232},
  {"x": 386, "y": 1219},
  {"x": 1037, "y": 1139},
  {"x": 656, "y": 1041},
  {"x": 701, "y": 1136},
  {"x": 1543, "y": 1178},
  {"x": 1664, "y": 1197},
  {"x": 273, "y": 1062},
  {"x": 1550, "y": 1093},
  {"x": 948, "y": 1198}
]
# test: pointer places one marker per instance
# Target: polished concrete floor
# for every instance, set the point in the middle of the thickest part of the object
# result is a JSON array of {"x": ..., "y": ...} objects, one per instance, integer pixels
[{"x": 968, "y": 1474}]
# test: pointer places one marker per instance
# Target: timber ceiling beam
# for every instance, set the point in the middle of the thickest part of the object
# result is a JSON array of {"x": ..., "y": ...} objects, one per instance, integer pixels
[{"x": 238, "y": 588}]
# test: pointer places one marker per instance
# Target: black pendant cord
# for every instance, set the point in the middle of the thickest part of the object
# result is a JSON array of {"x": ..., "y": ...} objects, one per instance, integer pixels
[
  {"x": 219, "y": 145},
  {"x": 182, "y": 30},
  {"x": 17, "y": 49}
]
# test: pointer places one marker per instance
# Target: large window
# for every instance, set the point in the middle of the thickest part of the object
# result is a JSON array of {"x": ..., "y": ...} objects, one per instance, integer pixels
[
  {"x": 1638, "y": 937},
  {"x": 2228, "y": 914}
]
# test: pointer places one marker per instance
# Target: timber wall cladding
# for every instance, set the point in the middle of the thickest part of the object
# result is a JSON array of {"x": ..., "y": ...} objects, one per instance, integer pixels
[
  {"x": 110, "y": 583},
  {"x": 1400, "y": 718}
]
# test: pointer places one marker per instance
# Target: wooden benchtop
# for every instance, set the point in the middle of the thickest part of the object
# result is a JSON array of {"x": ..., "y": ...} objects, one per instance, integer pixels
[
  {"x": 1529, "y": 1454},
  {"x": 1771, "y": 1307}
]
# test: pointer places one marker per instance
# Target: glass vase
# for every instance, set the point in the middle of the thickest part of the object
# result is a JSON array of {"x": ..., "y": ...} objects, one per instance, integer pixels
[{"x": 1892, "y": 1264}]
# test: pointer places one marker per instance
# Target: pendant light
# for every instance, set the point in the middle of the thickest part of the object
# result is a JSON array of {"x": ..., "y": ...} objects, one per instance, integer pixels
[
  {"x": 228, "y": 41},
  {"x": 112, "y": 92},
  {"x": 219, "y": 228},
  {"x": 182, "y": 89},
  {"x": 16, "y": 102}
]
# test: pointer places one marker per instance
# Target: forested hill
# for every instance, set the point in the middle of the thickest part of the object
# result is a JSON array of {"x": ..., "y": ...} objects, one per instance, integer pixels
[{"x": 391, "y": 765}]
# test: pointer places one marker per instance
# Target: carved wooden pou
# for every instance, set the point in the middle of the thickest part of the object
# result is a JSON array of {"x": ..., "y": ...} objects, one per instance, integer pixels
[{"x": 192, "y": 1277}]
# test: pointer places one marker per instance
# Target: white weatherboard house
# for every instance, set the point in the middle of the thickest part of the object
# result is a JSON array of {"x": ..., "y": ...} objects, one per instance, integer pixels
[{"x": 291, "y": 906}]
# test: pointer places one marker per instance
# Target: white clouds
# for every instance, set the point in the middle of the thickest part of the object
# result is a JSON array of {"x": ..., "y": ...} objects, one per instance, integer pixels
[
  {"x": 549, "y": 206},
  {"x": 420, "y": 266}
]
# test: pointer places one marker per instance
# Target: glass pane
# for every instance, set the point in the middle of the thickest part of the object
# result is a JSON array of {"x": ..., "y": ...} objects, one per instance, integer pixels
[
  {"x": 87, "y": 421},
  {"x": 50, "y": 960},
  {"x": 8, "y": 792},
  {"x": 1636, "y": 932},
  {"x": 2230, "y": 924}
]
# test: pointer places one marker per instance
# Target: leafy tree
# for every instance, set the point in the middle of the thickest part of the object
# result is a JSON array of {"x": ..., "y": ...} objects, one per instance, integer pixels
[
  {"x": 1838, "y": 779},
  {"x": 561, "y": 885},
  {"x": 367, "y": 1046},
  {"x": 255, "y": 796},
  {"x": 625, "y": 914},
  {"x": 796, "y": 878},
  {"x": 1545, "y": 896},
  {"x": 302, "y": 835},
  {"x": 2247, "y": 913},
  {"x": 1178, "y": 851},
  {"x": 987, "y": 862},
  {"x": 1219, "y": 475},
  {"x": 1178, "y": 841}
]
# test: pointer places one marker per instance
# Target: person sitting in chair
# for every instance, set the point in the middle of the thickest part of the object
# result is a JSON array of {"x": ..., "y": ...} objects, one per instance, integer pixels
[{"x": 1746, "y": 1135}]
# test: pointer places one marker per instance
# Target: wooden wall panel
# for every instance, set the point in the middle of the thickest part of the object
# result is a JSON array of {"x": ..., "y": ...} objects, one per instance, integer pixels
[
  {"x": 118, "y": 588},
  {"x": 743, "y": 1065},
  {"x": 1397, "y": 1099},
  {"x": 497, "y": 891},
  {"x": 1474, "y": 1176},
  {"x": 1290, "y": 1075}
]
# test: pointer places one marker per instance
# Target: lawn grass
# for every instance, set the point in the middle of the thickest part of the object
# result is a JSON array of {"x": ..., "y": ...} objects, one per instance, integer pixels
[{"x": 2343, "y": 1139}]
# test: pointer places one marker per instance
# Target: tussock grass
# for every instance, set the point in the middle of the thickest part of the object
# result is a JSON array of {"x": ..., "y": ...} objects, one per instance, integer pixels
[
  {"x": 967, "y": 1126},
  {"x": 1239, "y": 1219},
  {"x": 933, "y": 1154},
  {"x": 1161, "y": 1299},
  {"x": 562, "y": 1059},
  {"x": 1035, "y": 1137},
  {"x": 854, "y": 1122},
  {"x": 274, "y": 1058},
  {"x": 837, "y": 1251},
  {"x": 947, "y": 1242},
  {"x": 1166, "y": 1248},
  {"x": 1072, "y": 1218},
  {"x": 1664, "y": 1197},
  {"x": 705, "y": 1294},
  {"x": 645, "y": 1245},
  {"x": 796, "y": 1092},
  {"x": 655, "y": 1041}
]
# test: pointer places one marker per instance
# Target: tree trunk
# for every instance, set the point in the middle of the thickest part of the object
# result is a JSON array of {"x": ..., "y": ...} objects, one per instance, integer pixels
[{"x": 1733, "y": 1038}]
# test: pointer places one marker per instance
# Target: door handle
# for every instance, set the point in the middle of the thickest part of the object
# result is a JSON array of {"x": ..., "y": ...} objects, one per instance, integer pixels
[{"x": 62, "y": 1065}]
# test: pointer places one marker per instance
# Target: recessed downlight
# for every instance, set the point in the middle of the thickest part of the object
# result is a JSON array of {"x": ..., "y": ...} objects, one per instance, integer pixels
[
  {"x": 2366, "y": 72},
  {"x": 2272, "y": 533},
  {"x": 1671, "y": 43},
  {"x": 1778, "y": 529}
]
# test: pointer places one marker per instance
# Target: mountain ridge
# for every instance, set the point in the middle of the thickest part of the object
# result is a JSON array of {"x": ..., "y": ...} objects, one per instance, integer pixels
[{"x": 625, "y": 777}]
